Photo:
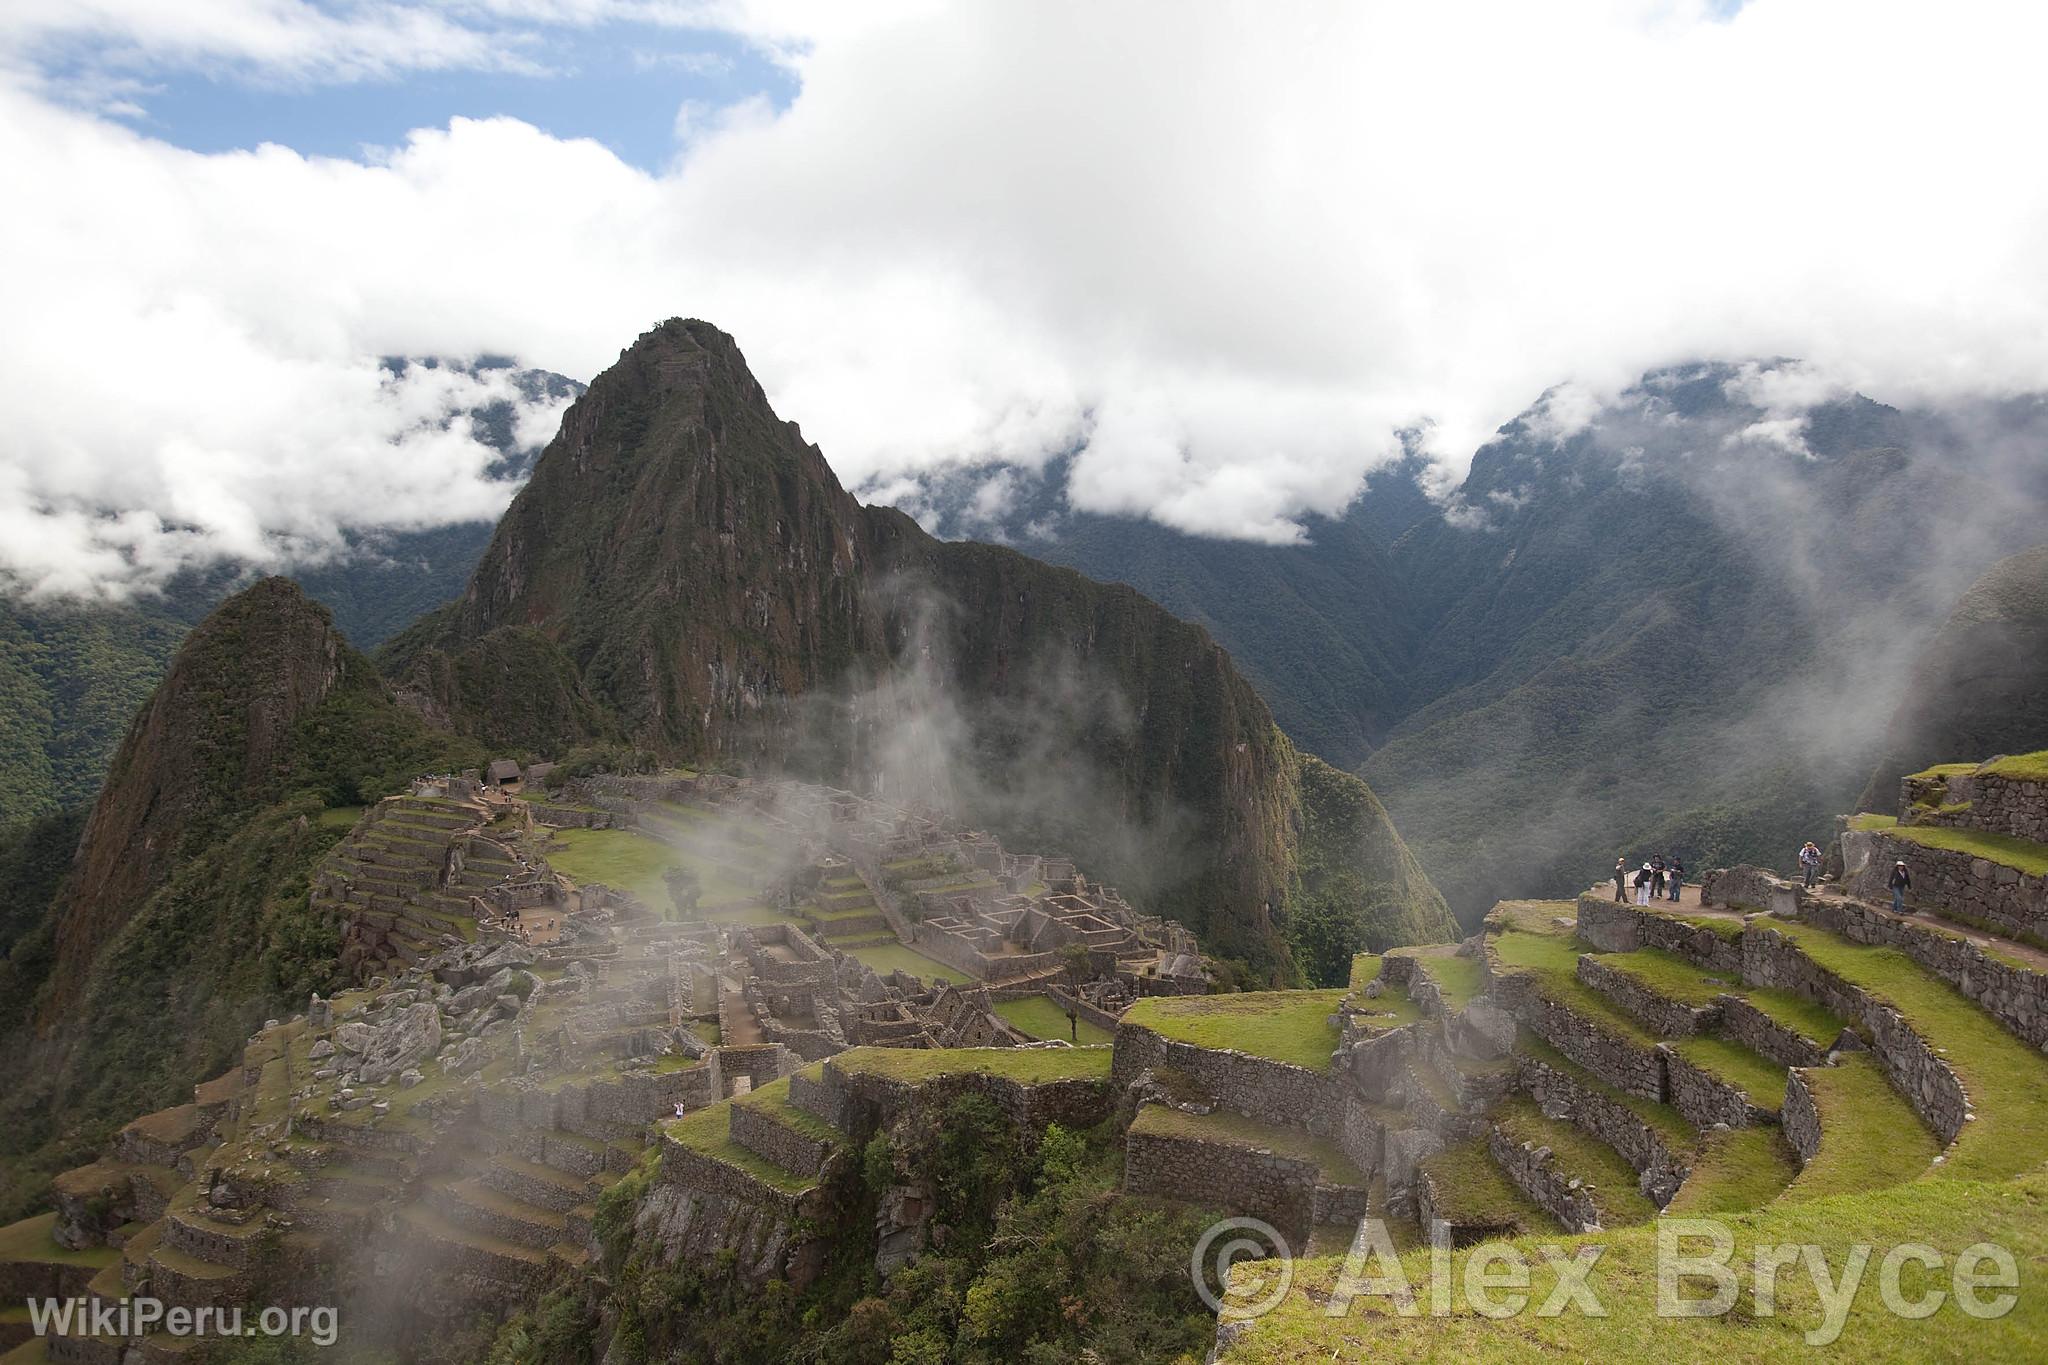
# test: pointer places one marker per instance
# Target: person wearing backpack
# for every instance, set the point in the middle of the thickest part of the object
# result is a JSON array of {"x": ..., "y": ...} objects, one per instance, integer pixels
[
  {"x": 1809, "y": 862},
  {"x": 1643, "y": 885}
]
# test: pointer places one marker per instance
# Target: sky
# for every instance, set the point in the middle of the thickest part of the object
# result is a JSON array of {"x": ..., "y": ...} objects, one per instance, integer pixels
[{"x": 1226, "y": 253}]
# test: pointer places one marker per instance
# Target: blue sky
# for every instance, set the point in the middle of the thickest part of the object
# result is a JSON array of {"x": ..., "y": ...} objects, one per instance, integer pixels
[{"x": 620, "y": 84}]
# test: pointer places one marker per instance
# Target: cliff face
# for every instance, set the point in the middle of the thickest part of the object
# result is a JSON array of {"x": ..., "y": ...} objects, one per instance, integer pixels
[
  {"x": 215, "y": 730},
  {"x": 1981, "y": 687},
  {"x": 717, "y": 594}
]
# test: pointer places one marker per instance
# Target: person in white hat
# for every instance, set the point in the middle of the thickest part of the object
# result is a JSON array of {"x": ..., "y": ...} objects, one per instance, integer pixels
[{"x": 1901, "y": 881}]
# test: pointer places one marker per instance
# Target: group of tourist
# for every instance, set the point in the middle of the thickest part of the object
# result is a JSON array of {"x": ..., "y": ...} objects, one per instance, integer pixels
[{"x": 1660, "y": 878}]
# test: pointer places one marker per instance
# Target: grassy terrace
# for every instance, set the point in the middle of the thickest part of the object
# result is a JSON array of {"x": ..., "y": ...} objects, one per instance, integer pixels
[
  {"x": 707, "y": 1132},
  {"x": 1670, "y": 975},
  {"x": 1285, "y": 1026},
  {"x": 1741, "y": 1168},
  {"x": 1025, "y": 1065},
  {"x": 2024, "y": 854},
  {"x": 1458, "y": 979},
  {"x": 2031, "y": 767},
  {"x": 772, "y": 1100},
  {"x": 1755, "y": 1075},
  {"x": 30, "y": 1240},
  {"x": 1553, "y": 959},
  {"x": 633, "y": 863},
  {"x": 1869, "y": 1136},
  {"x": 1312, "y": 1326},
  {"x": 1662, "y": 1118},
  {"x": 1579, "y": 1154},
  {"x": 2007, "y": 1081},
  {"x": 1472, "y": 1190},
  {"x": 1232, "y": 1130},
  {"x": 896, "y": 957},
  {"x": 1041, "y": 1018}
]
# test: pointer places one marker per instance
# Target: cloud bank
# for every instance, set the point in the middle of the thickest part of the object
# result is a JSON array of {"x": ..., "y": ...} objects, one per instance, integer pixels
[{"x": 1224, "y": 253}]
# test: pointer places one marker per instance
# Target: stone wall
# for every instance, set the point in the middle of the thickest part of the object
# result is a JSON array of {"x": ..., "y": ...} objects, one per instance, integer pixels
[
  {"x": 1258, "y": 1088},
  {"x": 692, "y": 1170},
  {"x": 781, "y": 1144},
  {"x": 2015, "y": 996},
  {"x": 1951, "y": 884},
  {"x": 1997, "y": 804},
  {"x": 1622, "y": 1064},
  {"x": 1703, "y": 1100},
  {"x": 1560, "y": 1095},
  {"x": 1533, "y": 1171},
  {"x": 1927, "y": 1082},
  {"x": 873, "y": 1101},
  {"x": 1801, "y": 1117},
  {"x": 1613, "y": 928},
  {"x": 1751, "y": 888},
  {"x": 1231, "y": 1180},
  {"x": 1660, "y": 1014},
  {"x": 1746, "y": 1024}
]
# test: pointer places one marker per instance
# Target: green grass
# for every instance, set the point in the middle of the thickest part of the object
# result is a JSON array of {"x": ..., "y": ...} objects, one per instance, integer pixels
[
  {"x": 340, "y": 817},
  {"x": 772, "y": 1100},
  {"x": 1284, "y": 1026},
  {"x": 1472, "y": 1190},
  {"x": 1667, "y": 1122},
  {"x": 1670, "y": 976},
  {"x": 896, "y": 957},
  {"x": 1458, "y": 979},
  {"x": 1364, "y": 968},
  {"x": 1870, "y": 820},
  {"x": 1749, "y": 1071},
  {"x": 2003, "y": 849},
  {"x": 1311, "y": 1326},
  {"x": 1869, "y": 1136},
  {"x": 1025, "y": 1065},
  {"x": 630, "y": 862},
  {"x": 30, "y": 1240},
  {"x": 707, "y": 1132},
  {"x": 2007, "y": 1081},
  {"x": 1039, "y": 1017},
  {"x": 1581, "y": 1155},
  {"x": 1554, "y": 961},
  {"x": 1233, "y": 1130},
  {"x": 1737, "y": 1169},
  {"x": 2029, "y": 767},
  {"x": 1809, "y": 1019}
]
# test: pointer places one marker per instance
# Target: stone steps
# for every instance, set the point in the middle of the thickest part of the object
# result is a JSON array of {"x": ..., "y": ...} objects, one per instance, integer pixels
[
  {"x": 534, "y": 1183},
  {"x": 459, "y": 1248},
  {"x": 469, "y": 1203},
  {"x": 767, "y": 1124},
  {"x": 1283, "y": 1175},
  {"x": 1852, "y": 1131},
  {"x": 1462, "y": 1187}
]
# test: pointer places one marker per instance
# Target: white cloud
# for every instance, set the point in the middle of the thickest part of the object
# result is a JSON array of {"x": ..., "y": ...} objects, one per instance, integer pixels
[{"x": 1229, "y": 252}]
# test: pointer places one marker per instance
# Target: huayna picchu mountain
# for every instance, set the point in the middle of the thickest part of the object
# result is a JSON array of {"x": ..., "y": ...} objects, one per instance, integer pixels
[{"x": 685, "y": 571}]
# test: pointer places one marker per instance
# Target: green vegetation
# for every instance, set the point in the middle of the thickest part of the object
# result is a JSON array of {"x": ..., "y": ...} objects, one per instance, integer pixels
[
  {"x": 706, "y": 1132},
  {"x": 1458, "y": 979},
  {"x": 2027, "y": 767},
  {"x": 30, "y": 1240},
  {"x": 1472, "y": 1190},
  {"x": 634, "y": 863},
  {"x": 1233, "y": 1130},
  {"x": 772, "y": 1100},
  {"x": 2026, "y": 855},
  {"x": 1553, "y": 960},
  {"x": 1670, "y": 976},
  {"x": 1755, "y": 1075},
  {"x": 1580, "y": 1156},
  {"x": 1869, "y": 820},
  {"x": 1041, "y": 1018},
  {"x": 1667, "y": 1122},
  {"x": 1286, "y": 1026},
  {"x": 1869, "y": 1136},
  {"x": 1733, "y": 1170},
  {"x": 1807, "y": 1018},
  {"x": 1364, "y": 967},
  {"x": 2007, "y": 1081},
  {"x": 897, "y": 957},
  {"x": 1948, "y": 1217},
  {"x": 1027, "y": 1065}
]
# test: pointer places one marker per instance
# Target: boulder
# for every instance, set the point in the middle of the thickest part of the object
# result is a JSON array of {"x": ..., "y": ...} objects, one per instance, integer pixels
[
  {"x": 466, "y": 1057},
  {"x": 415, "y": 1034},
  {"x": 321, "y": 1050},
  {"x": 354, "y": 1037}
]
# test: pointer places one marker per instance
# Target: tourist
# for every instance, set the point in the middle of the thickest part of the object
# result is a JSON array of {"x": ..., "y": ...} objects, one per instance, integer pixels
[
  {"x": 1674, "y": 877},
  {"x": 1657, "y": 877},
  {"x": 1620, "y": 879},
  {"x": 1643, "y": 885},
  {"x": 1809, "y": 862},
  {"x": 1901, "y": 881}
]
